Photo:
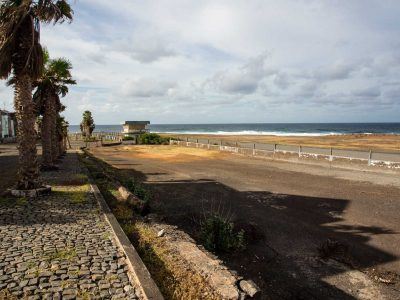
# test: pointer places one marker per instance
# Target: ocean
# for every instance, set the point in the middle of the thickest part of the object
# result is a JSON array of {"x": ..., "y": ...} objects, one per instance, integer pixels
[{"x": 278, "y": 129}]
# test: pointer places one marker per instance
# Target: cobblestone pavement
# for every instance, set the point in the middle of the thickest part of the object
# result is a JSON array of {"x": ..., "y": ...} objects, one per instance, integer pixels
[{"x": 58, "y": 246}]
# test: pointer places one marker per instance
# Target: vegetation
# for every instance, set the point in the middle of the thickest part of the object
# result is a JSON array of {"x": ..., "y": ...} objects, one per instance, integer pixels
[
  {"x": 87, "y": 125},
  {"x": 62, "y": 134},
  {"x": 64, "y": 254},
  {"x": 128, "y": 138},
  {"x": 153, "y": 139},
  {"x": 21, "y": 54},
  {"x": 77, "y": 194},
  {"x": 171, "y": 274},
  {"x": 138, "y": 190},
  {"x": 50, "y": 86},
  {"x": 10, "y": 202},
  {"x": 218, "y": 235}
]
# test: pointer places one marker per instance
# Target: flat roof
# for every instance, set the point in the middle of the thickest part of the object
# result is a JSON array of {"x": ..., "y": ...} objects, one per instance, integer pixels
[
  {"x": 137, "y": 122},
  {"x": 6, "y": 112}
]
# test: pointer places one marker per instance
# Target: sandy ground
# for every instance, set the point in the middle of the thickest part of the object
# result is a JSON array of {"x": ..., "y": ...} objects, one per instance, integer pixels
[
  {"x": 354, "y": 141},
  {"x": 288, "y": 210}
]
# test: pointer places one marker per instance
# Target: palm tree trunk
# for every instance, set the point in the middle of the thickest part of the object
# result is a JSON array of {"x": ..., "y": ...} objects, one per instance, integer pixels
[
  {"x": 25, "y": 113},
  {"x": 46, "y": 135},
  {"x": 88, "y": 135},
  {"x": 60, "y": 144},
  {"x": 54, "y": 135}
]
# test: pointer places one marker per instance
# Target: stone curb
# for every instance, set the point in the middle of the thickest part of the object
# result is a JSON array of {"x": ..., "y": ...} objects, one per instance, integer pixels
[{"x": 141, "y": 275}]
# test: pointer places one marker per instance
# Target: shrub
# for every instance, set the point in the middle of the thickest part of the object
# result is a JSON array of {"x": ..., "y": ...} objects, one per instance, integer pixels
[
  {"x": 153, "y": 139},
  {"x": 90, "y": 139},
  {"x": 123, "y": 213},
  {"x": 138, "y": 190},
  {"x": 128, "y": 138},
  {"x": 218, "y": 235}
]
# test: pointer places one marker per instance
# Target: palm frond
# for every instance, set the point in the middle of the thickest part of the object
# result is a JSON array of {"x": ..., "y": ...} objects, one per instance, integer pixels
[
  {"x": 20, "y": 33},
  {"x": 49, "y": 11}
]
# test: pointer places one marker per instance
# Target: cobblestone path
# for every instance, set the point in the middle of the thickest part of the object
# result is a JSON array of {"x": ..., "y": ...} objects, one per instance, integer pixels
[{"x": 58, "y": 246}]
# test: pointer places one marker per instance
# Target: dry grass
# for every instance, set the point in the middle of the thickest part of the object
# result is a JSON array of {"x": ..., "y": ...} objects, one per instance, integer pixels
[
  {"x": 64, "y": 254},
  {"x": 164, "y": 153},
  {"x": 76, "y": 194},
  {"x": 351, "y": 141},
  {"x": 172, "y": 275}
]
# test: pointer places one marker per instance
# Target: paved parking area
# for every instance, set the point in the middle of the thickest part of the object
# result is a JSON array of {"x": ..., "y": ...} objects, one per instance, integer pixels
[{"x": 59, "y": 246}]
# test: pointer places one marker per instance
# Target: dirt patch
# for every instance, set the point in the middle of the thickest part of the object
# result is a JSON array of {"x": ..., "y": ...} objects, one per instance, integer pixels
[{"x": 164, "y": 153}]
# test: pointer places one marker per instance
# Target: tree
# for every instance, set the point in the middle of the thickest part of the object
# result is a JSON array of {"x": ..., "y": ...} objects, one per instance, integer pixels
[
  {"x": 87, "y": 125},
  {"x": 21, "y": 54},
  {"x": 62, "y": 133},
  {"x": 50, "y": 86}
]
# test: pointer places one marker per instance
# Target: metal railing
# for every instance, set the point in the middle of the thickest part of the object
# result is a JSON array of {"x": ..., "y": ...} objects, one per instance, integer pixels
[
  {"x": 300, "y": 151},
  {"x": 105, "y": 136}
]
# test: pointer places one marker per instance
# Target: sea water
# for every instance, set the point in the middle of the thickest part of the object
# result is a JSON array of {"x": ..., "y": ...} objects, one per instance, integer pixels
[{"x": 278, "y": 129}]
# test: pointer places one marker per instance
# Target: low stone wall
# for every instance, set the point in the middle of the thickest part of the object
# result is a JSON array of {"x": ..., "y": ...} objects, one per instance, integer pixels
[{"x": 225, "y": 282}]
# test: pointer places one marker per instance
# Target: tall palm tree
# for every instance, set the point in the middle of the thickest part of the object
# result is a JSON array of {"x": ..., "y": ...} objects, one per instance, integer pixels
[
  {"x": 21, "y": 55},
  {"x": 52, "y": 84}
]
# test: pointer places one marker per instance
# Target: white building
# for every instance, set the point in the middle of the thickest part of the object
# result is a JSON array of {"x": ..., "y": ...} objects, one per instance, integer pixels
[
  {"x": 7, "y": 126},
  {"x": 134, "y": 128}
]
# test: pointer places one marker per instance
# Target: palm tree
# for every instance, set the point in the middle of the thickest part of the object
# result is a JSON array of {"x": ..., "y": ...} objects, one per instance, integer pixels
[
  {"x": 52, "y": 84},
  {"x": 62, "y": 131},
  {"x": 87, "y": 125},
  {"x": 21, "y": 54}
]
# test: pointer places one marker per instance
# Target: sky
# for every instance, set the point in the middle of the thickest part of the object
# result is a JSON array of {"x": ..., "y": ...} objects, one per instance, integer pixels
[{"x": 171, "y": 61}]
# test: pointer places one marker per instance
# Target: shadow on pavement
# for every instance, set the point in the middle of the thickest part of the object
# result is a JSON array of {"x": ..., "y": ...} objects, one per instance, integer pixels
[{"x": 285, "y": 234}]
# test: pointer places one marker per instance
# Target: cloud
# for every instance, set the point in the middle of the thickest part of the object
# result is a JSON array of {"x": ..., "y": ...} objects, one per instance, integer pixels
[
  {"x": 336, "y": 71},
  {"x": 145, "y": 49},
  {"x": 260, "y": 60},
  {"x": 369, "y": 92},
  {"x": 147, "y": 87},
  {"x": 244, "y": 79}
]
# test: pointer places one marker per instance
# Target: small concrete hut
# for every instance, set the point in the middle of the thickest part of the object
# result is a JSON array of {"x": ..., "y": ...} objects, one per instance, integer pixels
[{"x": 135, "y": 128}]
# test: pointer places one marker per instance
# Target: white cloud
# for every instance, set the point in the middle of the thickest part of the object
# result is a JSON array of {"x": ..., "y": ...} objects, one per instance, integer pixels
[
  {"x": 144, "y": 46},
  {"x": 147, "y": 87}
]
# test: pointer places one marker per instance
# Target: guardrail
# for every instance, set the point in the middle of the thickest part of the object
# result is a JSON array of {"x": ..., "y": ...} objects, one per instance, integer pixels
[
  {"x": 274, "y": 150},
  {"x": 106, "y": 136}
]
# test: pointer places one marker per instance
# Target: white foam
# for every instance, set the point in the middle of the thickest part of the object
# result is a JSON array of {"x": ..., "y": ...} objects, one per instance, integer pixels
[{"x": 253, "y": 132}]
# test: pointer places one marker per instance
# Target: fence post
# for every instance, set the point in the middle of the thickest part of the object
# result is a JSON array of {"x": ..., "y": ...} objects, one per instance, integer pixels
[
  {"x": 208, "y": 144},
  {"x": 299, "y": 151},
  {"x": 254, "y": 149},
  {"x": 187, "y": 142},
  {"x": 331, "y": 155},
  {"x": 197, "y": 143},
  {"x": 274, "y": 150},
  {"x": 369, "y": 157},
  {"x": 237, "y": 148},
  {"x": 220, "y": 145}
]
